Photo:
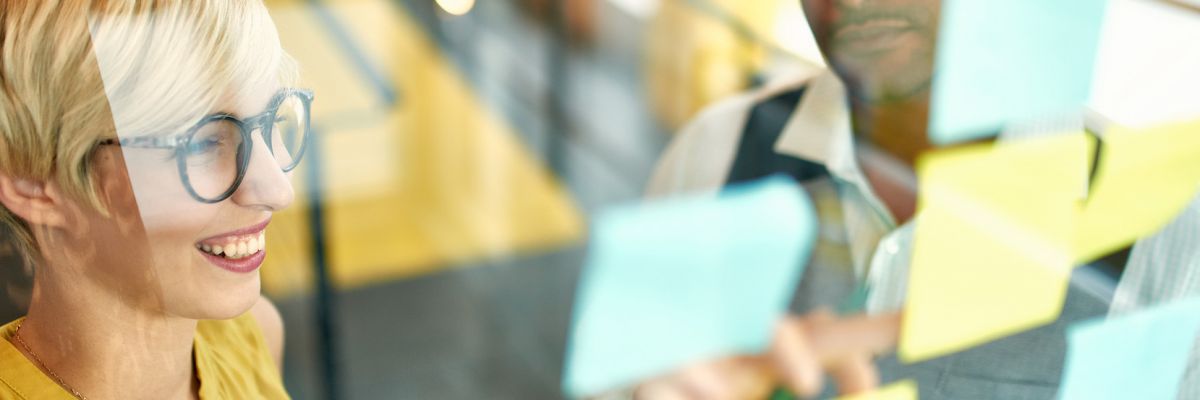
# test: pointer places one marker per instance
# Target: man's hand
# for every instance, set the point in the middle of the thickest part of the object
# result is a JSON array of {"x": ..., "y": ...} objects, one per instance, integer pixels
[{"x": 803, "y": 350}]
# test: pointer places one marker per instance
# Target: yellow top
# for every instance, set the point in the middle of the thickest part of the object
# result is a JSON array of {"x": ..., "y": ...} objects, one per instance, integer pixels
[{"x": 232, "y": 362}]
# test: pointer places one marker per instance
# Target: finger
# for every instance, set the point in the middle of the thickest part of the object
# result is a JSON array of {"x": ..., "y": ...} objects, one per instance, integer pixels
[
  {"x": 728, "y": 378},
  {"x": 834, "y": 340},
  {"x": 794, "y": 359},
  {"x": 663, "y": 389},
  {"x": 706, "y": 381},
  {"x": 855, "y": 375},
  {"x": 752, "y": 378}
]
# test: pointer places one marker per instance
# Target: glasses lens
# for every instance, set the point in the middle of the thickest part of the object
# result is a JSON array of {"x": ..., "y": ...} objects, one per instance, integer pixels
[
  {"x": 290, "y": 132},
  {"x": 211, "y": 157}
]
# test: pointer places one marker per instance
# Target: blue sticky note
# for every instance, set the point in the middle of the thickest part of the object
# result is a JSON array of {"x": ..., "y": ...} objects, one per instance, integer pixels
[
  {"x": 685, "y": 280},
  {"x": 1136, "y": 356},
  {"x": 1001, "y": 61}
]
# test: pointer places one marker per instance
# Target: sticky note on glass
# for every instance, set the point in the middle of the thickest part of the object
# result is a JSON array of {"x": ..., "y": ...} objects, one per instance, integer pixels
[
  {"x": 1135, "y": 356},
  {"x": 992, "y": 249},
  {"x": 1011, "y": 60},
  {"x": 1145, "y": 178},
  {"x": 685, "y": 280},
  {"x": 1002, "y": 225},
  {"x": 902, "y": 390}
]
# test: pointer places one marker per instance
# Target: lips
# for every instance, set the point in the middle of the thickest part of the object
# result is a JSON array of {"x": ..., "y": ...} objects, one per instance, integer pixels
[
  {"x": 241, "y": 250},
  {"x": 252, "y": 229},
  {"x": 872, "y": 28},
  {"x": 872, "y": 35}
]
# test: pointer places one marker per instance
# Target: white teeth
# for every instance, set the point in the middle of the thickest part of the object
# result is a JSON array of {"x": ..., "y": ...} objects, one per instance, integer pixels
[{"x": 238, "y": 249}]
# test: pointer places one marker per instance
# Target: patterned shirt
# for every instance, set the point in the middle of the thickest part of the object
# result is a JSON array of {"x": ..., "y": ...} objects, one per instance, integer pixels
[{"x": 861, "y": 245}]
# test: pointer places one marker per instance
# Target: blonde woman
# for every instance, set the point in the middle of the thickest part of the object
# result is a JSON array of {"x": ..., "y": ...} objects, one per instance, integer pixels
[{"x": 144, "y": 146}]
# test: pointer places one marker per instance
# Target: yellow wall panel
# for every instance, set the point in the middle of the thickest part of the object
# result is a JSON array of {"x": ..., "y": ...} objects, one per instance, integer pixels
[{"x": 437, "y": 180}]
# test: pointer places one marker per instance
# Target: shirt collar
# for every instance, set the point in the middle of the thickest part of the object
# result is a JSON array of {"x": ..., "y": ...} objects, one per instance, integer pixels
[
  {"x": 820, "y": 128},
  {"x": 820, "y": 131}
]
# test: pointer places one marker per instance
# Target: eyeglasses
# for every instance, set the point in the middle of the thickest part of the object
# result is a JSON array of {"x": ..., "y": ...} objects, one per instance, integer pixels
[{"x": 214, "y": 154}]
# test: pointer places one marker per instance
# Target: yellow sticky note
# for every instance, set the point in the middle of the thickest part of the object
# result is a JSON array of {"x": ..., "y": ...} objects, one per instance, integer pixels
[
  {"x": 992, "y": 252},
  {"x": 1001, "y": 226},
  {"x": 902, "y": 390},
  {"x": 1145, "y": 178}
]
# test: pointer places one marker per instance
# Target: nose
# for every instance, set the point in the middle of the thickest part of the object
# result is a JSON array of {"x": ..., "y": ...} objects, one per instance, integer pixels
[
  {"x": 851, "y": 3},
  {"x": 265, "y": 187}
]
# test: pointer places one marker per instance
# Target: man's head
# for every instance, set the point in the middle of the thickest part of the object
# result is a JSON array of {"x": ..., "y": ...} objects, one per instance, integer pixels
[{"x": 883, "y": 49}]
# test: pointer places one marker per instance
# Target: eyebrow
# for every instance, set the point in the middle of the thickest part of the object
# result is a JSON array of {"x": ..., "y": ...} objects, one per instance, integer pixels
[{"x": 236, "y": 115}]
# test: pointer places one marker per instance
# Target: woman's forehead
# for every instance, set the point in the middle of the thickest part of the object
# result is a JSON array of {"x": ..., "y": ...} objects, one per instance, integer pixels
[
  {"x": 166, "y": 68},
  {"x": 248, "y": 100}
]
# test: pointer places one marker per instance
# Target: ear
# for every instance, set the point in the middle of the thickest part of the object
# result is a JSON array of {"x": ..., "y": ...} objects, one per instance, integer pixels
[{"x": 36, "y": 202}]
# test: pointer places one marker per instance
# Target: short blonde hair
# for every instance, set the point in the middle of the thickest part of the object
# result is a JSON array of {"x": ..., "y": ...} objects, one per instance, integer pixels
[{"x": 73, "y": 72}]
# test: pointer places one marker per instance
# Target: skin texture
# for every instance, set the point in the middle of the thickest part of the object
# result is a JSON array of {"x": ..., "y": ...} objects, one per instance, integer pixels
[
  {"x": 117, "y": 298},
  {"x": 803, "y": 351},
  {"x": 883, "y": 51}
]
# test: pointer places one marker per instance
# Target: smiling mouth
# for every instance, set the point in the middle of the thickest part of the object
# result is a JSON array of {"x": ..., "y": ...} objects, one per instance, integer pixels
[
  {"x": 235, "y": 247},
  {"x": 238, "y": 244}
]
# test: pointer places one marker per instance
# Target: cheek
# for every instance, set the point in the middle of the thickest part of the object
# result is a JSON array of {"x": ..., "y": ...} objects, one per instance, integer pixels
[
  {"x": 820, "y": 15},
  {"x": 164, "y": 207},
  {"x": 116, "y": 190}
]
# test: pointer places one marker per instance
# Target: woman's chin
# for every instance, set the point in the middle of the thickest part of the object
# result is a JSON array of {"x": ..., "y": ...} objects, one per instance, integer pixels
[{"x": 223, "y": 301}]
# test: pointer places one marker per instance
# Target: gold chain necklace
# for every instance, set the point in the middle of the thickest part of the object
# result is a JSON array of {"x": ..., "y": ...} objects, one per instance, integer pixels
[{"x": 58, "y": 379}]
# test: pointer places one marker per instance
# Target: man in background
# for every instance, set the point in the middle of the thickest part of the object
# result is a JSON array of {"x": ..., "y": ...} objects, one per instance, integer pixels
[{"x": 850, "y": 135}]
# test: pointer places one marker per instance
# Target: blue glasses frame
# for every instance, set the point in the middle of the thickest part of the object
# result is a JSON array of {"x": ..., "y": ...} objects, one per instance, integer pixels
[{"x": 263, "y": 122}]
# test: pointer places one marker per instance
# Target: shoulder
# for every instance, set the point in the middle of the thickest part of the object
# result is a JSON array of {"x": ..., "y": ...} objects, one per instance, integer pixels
[
  {"x": 19, "y": 377},
  {"x": 240, "y": 357},
  {"x": 700, "y": 155},
  {"x": 271, "y": 325}
]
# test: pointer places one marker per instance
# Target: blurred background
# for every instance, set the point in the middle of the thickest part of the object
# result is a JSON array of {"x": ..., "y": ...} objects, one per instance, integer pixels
[
  {"x": 441, "y": 218},
  {"x": 441, "y": 221},
  {"x": 462, "y": 146}
]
